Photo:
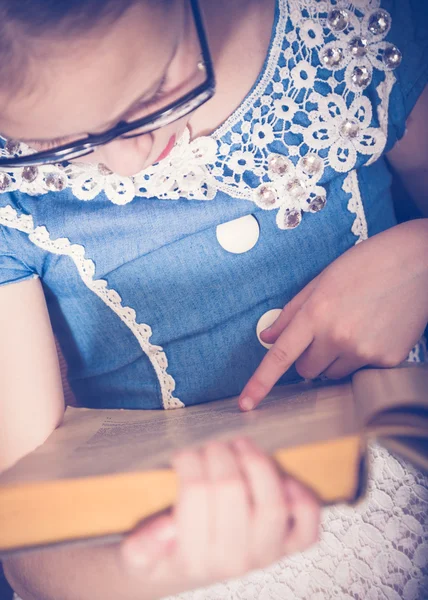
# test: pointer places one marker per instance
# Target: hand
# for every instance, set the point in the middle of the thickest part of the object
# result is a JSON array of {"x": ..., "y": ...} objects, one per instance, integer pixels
[
  {"x": 369, "y": 307},
  {"x": 235, "y": 513}
]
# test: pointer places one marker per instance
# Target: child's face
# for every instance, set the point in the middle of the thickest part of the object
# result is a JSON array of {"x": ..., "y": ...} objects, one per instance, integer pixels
[{"x": 89, "y": 83}]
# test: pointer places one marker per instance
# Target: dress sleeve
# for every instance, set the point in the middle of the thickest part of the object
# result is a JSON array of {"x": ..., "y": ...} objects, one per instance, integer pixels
[
  {"x": 409, "y": 33},
  {"x": 12, "y": 269}
]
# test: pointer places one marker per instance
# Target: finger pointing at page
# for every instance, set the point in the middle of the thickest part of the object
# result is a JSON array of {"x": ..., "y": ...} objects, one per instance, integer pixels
[{"x": 292, "y": 342}]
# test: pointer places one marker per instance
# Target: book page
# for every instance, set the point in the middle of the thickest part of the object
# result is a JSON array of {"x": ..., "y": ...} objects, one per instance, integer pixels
[
  {"x": 393, "y": 401},
  {"x": 101, "y": 442}
]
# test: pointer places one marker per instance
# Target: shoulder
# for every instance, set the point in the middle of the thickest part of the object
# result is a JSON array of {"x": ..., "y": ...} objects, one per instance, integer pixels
[
  {"x": 17, "y": 260},
  {"x": 367, "y": 51}
]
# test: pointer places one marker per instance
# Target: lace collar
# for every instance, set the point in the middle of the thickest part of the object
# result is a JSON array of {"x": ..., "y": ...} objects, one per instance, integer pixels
[{"x": 306, "y": 119}]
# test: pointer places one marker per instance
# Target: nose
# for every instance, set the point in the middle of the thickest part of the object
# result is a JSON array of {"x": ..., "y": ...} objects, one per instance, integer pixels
[{"x": 125, "y": 157}]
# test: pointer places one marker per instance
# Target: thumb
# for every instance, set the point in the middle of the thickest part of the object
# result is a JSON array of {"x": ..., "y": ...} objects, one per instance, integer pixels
[{"x": 149, "y": 542}]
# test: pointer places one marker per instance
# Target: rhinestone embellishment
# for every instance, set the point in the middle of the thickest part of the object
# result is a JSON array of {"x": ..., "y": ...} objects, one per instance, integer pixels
[
  {"x": 12, "y": 147},
  {"x": 55, "y": 182},
  {"x": 361, "y": 77},
  {"x": 317, "y": 204},
  {"x": 266, "y": 196},
  {"x": 292, "y": 219},
  {"x": 379, "y": 22},
  {"x": 279, "y": 165},
  {"x": 358, "y": 47},
  {"x": 312, "y": 164},
  {"x": 104, "y": 170},
  {"x": 392, "y": 57},
  {"x": 350, "y": 129},
  {"x": 5, "y": 181},
  {"x": 338, "y": 19},
  {"x": 29, "y": 174},
  {"x": 295, "y": 188},
  {"x": 332, "y": 57}
]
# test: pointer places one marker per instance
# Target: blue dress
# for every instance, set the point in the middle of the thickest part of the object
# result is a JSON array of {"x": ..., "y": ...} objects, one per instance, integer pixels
[
  {"x": 156, "y": 284},
  {"x": 150, "y": 309}
]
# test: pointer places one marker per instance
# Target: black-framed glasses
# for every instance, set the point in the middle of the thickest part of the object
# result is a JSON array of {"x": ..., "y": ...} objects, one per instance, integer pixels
[{"x": 173, "y": 111}]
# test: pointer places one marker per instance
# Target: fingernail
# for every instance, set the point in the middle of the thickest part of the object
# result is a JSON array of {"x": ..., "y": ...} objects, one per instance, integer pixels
[
  {"x": 266, "y": 334},
  {"x": 246, "y": 404}
]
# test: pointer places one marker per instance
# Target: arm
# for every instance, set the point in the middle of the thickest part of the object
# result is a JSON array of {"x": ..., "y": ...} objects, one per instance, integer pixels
[
  {"x": 235, "y": 512},
  {"x": 31, "y": 407},
  {"x": 31, "y": 399},
  {"x": 409, "y": 157}
]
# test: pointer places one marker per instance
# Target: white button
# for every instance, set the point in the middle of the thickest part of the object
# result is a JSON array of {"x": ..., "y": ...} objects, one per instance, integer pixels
[
  {"x": 240, "y": 235},
  {"x": 266, "y": 321}
]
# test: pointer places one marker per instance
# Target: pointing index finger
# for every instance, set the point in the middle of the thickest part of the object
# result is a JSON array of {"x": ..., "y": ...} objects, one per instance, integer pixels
[{"x": 292, "y": 342}]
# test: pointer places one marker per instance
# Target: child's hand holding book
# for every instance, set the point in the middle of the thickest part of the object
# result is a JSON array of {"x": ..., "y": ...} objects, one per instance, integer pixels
[{"x": 235, "y": 512}]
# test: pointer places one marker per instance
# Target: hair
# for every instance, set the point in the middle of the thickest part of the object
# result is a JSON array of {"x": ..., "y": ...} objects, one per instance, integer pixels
[{"x": 24, "y": 22}]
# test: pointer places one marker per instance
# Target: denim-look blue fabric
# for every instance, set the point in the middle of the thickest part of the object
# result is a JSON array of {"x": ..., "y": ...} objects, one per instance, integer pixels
[{"x": 163, "y": 258}]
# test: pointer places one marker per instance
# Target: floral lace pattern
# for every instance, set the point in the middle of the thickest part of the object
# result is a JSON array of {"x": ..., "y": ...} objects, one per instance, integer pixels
[
  {"x": 86, "y": 268},
  {"x": 306, "y": 121}
]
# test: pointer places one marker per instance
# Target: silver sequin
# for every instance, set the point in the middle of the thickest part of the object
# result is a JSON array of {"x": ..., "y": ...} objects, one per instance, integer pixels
[
  {"x": 29, "y": 174},
  {"x": 332, "y": 56},
  {"x": 361, "y": 77},
  {"x": 317, "y": 204},
  {"x": 358, "y": 46},
  {"x": 392, "y": 57},
  {"x": 350, "y": 129},
  {"x": 292, "y": 219},
  {"x": 312, "y": 164},
  {"x": 379, "y": 22},
  {"x": 5, "y": 182},
  {"x": 266, "y": 195},
  {"x": 338, "y": 19},
  {"x": 278, "y": 164},
  {"x": 55, "y": 182}
]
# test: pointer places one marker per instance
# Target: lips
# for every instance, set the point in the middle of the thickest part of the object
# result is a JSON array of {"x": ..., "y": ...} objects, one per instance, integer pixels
[{"x": 167, "y": 149}]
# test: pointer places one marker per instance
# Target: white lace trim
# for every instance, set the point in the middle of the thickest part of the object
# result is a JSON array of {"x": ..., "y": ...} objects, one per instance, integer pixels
[
  {"x": 86, "y": 268},
  {"x": 309, "y": 102},
  {"x": 384, "y": 90},
  {"x": 356, "y": 206}
]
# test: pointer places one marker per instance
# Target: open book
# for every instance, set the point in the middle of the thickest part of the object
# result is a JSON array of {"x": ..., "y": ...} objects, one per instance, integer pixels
[{"x": 104, "y": 471}]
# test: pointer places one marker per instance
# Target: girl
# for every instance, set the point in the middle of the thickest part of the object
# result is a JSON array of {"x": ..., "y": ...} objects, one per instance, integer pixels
[{"x": 157, "y": 228}]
